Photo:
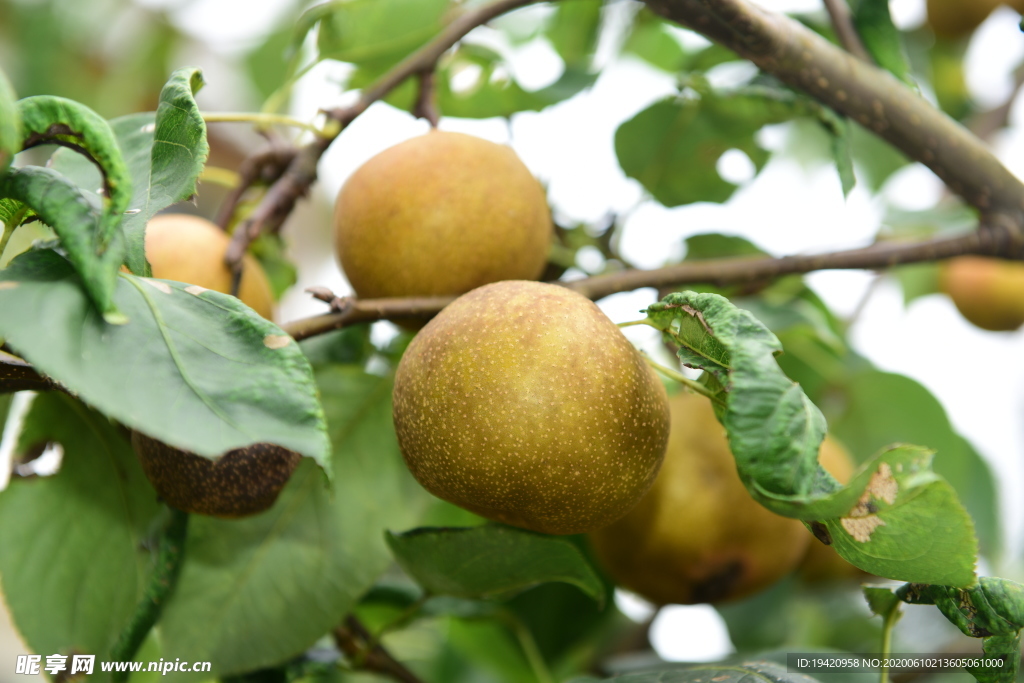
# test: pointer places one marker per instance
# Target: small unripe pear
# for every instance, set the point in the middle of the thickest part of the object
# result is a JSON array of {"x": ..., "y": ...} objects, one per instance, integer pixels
[
  {"x": 988, "y": 292},
  {"x": 522, "y": 402},
  {"x": 698, "y": 536},
  {"x": 242, "y": 482},
  {"x": 191, "y": 249},
  {"x": 439, "y": 215}
]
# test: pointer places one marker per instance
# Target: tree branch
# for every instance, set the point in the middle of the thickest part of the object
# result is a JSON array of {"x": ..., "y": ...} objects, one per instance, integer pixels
[
  {"x": 279, "y": 201},
  {"x": 992, "y": 239},
  {"x": 356, "y": 643},
  {"x": 871, "y": 96},
  {"x": 842, "y": 22}
]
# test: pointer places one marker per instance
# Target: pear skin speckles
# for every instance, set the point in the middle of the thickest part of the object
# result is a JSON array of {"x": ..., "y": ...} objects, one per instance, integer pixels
[{"x": 524, "y": 403}]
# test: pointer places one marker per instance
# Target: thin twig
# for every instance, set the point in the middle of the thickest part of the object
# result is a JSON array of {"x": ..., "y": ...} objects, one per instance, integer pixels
[
  {"x": 295, "y": 182},
  {"x": 990, "y": 240},
  {"x": 355, "y": 641},
  {"x": 870, "y": 96},
  {"x": 842, "y": 22},
  {"x": 161, "y": 585},
  {"x": 985, "y": 124},
  {"x": 426, "y": 99}
]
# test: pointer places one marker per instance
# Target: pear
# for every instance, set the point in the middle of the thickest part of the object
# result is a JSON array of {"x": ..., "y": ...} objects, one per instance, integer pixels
[
  {"x": 698, "y": 536},
  {"x": 242, "y": 482},
  {"x": 988, "y": 292},
  {"x": 191, "y": 249},
  {"x": 522, "y": 402},
  {"x": 439, "y": 215},
  {"x": 953, "y": 19}
]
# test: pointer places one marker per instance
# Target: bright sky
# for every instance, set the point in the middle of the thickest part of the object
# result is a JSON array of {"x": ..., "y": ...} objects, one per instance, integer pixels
[{"x": 785, "y": 210}]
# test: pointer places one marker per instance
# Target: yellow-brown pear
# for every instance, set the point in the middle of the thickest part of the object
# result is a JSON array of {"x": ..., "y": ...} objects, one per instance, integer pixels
[
  {"x": 988, "y": 292},
  {"x": 191, "y": 249},
  {"x": 242, "y": 482},
  {"x": 952, "y": 19},
  {"x": 698, "y": 536},
  {"x": 439, "y": 215},
  {"x": 522, "y": 402}
]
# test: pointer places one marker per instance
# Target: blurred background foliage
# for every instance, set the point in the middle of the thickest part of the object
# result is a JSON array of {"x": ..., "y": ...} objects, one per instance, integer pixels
[{"x": 115, "y": 55}]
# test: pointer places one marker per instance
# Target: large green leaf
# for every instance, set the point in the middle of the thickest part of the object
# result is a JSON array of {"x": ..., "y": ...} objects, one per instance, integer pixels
[
  {"x": 672, "y": 147},
  {"x": 883, "y": 408},
  {"x": 72, "y": 546},
  {"x": 881, "y": 37},
  {"x": 66, "y": 209},
  {"x": 10, "y": 124},
  {"x": 55, "y": 120},
  {"x": 377, "y": 32},
  {"x": 258, "y": 591},
  {"x": 193, "y": 368},
  {"x": 491, "y": 561},
  {"x": 165, "y": 153},
  {"x": 896, "y": 518},
  {"x": 766, "y": 672}
]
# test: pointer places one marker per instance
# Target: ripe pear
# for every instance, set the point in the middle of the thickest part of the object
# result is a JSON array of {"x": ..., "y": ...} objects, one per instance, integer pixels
[
  {"x": 988, "y": 292},
  {"x": 698, "y": 536},
  {"x": 241, "y": 482},
  {"x": 191, "y": 249},
  {"x": 952, "y": 19},
  {"x": 439, "y": 215},
  {"x": 822, "y": 562},
  {"x": 522, "y": 402}
]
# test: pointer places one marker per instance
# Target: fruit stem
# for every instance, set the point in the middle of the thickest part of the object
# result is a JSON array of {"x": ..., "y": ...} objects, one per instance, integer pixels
[
  {"x": 529, "y": 646},
  {"x": 690, "y": 384},
  {"x": 888, "y": 622},
  {"x": 220, "y": 176},
  {"x": 260, "y": 117},
  {"x": 161, "y": 584}
]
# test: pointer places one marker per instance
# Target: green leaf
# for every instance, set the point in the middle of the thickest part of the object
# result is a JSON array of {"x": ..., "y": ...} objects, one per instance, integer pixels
[
  {"x": 495, "y": 92},
  {"x": 765, "y": 672},
  {"x": 56, "y": 120},
  {"x": 672, "y": 147},
  {"x": 883, "y": 408},
  {"x": 258, "y": 591},
  {"x": 490, "y": 561},
  {"x": 1006, "y": 647},
  {"x": 378, "y": 32},
  {"x": 882, "y": 38},
  {"x": 10, "y": 124},
  {"x": 993, "y": 607},
  {"x": 66, "y": 209},
  {"x": 651, "y": 40},
  {"x": 881, "y": 600},
  {"x": 196, "y": 369},
  {"x": 896, "y": 518},
  {"x": 573, "y": 31},
  {"x": 269, "y": 250},
  {"x": 838, "y": 128},
  {"x": 165, "y": 152},
  {"x": 72, "y": 545}
]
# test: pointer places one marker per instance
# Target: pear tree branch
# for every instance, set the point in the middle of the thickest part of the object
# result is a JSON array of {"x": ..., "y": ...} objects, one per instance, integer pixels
[
  {"x": 859, "y": 90},
  {"x": 990, "y": 239},
  {"x": 842, "y": 22},
  {"x": 301, "y": 173}
]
